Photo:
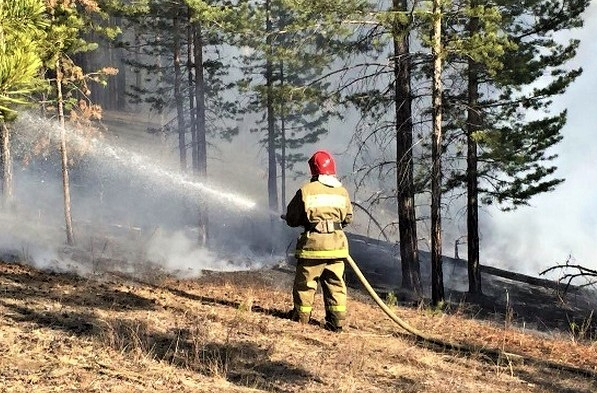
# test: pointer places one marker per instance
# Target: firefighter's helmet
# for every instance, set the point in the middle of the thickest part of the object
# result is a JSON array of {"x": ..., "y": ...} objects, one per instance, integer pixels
[{"x": 322, "y": 163}]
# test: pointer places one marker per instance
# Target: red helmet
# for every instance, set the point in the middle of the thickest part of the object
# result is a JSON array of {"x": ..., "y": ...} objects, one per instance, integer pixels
[{"x": 322, "y": 163}]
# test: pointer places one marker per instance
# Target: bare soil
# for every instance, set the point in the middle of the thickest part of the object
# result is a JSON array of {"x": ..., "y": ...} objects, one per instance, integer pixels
[{"x": 226, "y": 332}]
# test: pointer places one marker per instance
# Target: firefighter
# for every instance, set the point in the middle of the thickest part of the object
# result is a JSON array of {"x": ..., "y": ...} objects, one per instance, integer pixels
[{"x": 322, "y": 207}]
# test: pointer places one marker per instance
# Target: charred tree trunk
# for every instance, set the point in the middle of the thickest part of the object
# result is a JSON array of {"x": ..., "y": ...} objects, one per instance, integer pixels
[
  {"x": 272, "y": 186},
  {"x": 437, "y": 276},
  {"x": 5, "y": 165},
  {"x": 200, "y": 102},
  {"x": 180, "y": 120},
  {"x": 191, "y": 79},
  {"x": 138, "y": 76},
  {"x": 201, "y": 129},
  {"x": 407, "y": 224},
  {"x": 472, "y": 210},
  {"x": 282, "y": 141},
  {"x": 70, "y": 238}
]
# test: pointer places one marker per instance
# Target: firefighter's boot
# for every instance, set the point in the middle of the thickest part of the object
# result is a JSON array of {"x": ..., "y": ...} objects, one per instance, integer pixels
[
  {"x": 303, "y": 317},
  {"x": 297, "y": 316},
  {"x": 332, "y": 327}
]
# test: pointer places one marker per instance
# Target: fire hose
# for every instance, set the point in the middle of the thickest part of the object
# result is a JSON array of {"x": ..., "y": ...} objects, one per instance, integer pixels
[
  {"x": 493, "y": 353},
  {"x": 399, "y": 321}
]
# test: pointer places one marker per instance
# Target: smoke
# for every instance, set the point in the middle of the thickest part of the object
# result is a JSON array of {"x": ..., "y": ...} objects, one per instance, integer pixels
[
  {"x": 561, "y": 224},
  {"x": 16, "y": 243},
  {"x": 132, "y": 209},
  {"x": 177, "y": 252}
]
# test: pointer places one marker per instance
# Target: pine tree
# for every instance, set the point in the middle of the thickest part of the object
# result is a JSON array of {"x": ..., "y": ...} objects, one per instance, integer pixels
[
  {"x": 284, "y": 72},
  {"x": 516, "y": 145},
  {"x": 168, "y": 41},
  {"x": 70, "y": 21},
  {"x": 21, "y": 32},
  {"x": 403, "y": 100},
  {"x": 509, "y": 130},
  {"x": 437, "y": 279},
  {"x": 383, "y": 94},
  {"x": 420, "y": 23}
]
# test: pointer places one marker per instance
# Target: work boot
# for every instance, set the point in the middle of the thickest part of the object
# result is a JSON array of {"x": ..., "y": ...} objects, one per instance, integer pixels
[
  {"x": 290, "y": 314},
  {"x": 303, "y": 317},
  {"x": 333, "y": 323},
  {"x": 332, "y": 327},
  {"x": 298, "y": 316}
]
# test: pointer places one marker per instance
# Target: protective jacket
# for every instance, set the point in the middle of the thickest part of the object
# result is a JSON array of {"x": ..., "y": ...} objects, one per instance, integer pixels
[{"x": 322, "y": 207}]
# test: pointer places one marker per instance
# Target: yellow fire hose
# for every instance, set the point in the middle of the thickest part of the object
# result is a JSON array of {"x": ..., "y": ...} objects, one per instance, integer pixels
[
  {"x": 495, "y": 354},
  {"x": 399, "y": 321}
]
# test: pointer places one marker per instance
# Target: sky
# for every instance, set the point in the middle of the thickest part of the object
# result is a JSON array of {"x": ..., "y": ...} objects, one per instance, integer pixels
[{"x": 561, "y": 224}]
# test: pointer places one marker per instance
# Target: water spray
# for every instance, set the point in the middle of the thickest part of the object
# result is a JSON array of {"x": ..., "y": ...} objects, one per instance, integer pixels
[
  {"x": 163, "y": 237},
  {"x": 143, "y": 165}
]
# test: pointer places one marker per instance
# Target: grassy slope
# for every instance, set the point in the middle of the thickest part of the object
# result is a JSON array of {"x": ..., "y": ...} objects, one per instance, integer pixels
[{"x": 222, "y": 333}]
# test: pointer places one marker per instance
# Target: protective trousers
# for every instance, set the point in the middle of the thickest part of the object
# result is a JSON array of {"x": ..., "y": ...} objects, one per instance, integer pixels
[{"x": 309, "y": 272}]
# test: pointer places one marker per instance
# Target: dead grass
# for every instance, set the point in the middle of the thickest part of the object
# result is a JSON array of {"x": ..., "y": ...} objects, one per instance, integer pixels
[{"x": 224, "y": 332}]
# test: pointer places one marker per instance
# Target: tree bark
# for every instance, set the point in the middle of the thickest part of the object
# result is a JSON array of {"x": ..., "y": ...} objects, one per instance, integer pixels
[
  {"x": 437, "y": 279},
  {"x": 282, "y": 141},
  {"x": 191, "y": 80},
  {"x": 201, "y": 129},
  {"x": 407, "y": 223},
  {"x": 70, "y": 238},
  {"x": 272, "y": 186},
  {"x": 180, "y": 120},
  {"x": 5, "y": 165},
  {"x": 472, "y": 211}
]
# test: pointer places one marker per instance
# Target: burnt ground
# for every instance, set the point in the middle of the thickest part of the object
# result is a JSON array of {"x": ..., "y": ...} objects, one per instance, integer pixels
[
  {"x": 527, "y": 302},
  {"x": 508, "y": 298}
]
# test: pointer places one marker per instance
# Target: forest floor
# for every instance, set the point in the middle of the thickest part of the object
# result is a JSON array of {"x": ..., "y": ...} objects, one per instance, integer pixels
[{"x": 226, "y": 332}]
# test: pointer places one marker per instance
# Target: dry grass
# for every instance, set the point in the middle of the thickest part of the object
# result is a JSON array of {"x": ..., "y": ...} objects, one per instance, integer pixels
[{"x": 223, "y": 333}]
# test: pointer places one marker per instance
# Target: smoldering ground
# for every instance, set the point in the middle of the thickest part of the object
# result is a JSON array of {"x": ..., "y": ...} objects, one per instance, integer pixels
[{"x": 132, "y": 210}]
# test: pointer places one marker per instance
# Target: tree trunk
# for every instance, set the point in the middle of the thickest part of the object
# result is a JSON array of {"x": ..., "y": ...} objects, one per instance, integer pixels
[
  {"x": 138, "y": 76},
  {"x": 180, "y": 120},
  {"x": 70, "y": 238},
  {"x": 191, "y": 79},
  {"x": 472, "y": 211},
  {"x": 437, "y": 279},
  {"x": 272, "y": 186},
  {"x": 5, "y": 165},
  {"x": 282, "y": 141},
  {"x": 201, "y": 129},
  {"x": 407, "y": 224}
]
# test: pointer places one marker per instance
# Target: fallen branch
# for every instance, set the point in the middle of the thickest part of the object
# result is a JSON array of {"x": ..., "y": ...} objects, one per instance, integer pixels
[{"x": 578, "y": 271}]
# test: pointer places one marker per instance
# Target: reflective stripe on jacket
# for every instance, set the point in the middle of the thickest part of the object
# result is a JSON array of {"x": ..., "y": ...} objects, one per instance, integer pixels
[{"x": 313, "y": 203}]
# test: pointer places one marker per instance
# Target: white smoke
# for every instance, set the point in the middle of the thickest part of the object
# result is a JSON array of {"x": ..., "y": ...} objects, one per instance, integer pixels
[
  {"x": 563, "y": 223},
  {"x": 178, "y": 252},
  {"x": 129, "y": 208}
]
